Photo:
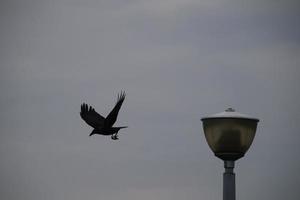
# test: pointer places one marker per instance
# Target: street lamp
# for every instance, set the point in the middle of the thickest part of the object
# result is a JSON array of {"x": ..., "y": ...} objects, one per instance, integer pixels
[{"x": 229, "y": 134}]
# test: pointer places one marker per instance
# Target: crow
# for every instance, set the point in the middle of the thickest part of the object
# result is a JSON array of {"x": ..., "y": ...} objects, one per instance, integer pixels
[{"x": 101, "y": 125}]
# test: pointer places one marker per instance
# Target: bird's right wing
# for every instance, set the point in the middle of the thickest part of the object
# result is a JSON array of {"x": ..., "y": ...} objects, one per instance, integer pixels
[
  {"x": 112, "y": 116},
  {"x": 91, "y": 117}
]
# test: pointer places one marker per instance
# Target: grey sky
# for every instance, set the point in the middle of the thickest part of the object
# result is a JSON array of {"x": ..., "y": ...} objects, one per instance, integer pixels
[{"x": 177, "y": 61}]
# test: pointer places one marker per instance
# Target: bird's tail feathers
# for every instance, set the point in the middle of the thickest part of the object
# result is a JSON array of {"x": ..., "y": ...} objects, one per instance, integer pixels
[{"x": 120, "y": 127}]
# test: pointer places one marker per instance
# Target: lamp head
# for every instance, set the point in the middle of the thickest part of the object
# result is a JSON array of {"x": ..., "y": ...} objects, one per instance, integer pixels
[{"x": 229, "y": 134}]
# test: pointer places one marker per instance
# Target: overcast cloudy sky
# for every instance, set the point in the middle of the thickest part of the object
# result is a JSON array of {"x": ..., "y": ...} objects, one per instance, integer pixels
[{"x": 177, "y": 60}]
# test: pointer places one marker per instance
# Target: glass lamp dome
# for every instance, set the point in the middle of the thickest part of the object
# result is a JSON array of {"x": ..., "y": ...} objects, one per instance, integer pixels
[{"x": 229, "y": 134}]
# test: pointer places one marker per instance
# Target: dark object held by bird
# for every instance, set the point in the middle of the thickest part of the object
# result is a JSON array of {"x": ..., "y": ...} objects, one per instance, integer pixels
[{"x": 101, "y": 125}]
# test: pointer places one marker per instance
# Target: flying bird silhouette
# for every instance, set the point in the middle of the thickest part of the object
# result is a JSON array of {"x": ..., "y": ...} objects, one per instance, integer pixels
[{"x": 101, "y": 125}]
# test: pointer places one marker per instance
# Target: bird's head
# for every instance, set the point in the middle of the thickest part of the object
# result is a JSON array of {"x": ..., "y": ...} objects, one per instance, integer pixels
[{"x": 93, "y": 133}]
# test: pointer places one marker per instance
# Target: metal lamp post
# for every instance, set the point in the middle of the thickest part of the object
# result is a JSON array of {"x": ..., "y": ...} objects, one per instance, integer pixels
[{"x": 229, "y": 134}]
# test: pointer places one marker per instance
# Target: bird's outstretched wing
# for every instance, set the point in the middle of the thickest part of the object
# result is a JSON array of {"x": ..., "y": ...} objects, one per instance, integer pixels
[
  {"x": 112, "y": 116},
  {"x": 91, "y": 117}
]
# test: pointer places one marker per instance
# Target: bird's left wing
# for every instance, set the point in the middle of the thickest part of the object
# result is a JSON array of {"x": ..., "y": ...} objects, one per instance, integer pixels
[
  {"x": 91, "y": 117},
  {"x": 112, "y": 116}
]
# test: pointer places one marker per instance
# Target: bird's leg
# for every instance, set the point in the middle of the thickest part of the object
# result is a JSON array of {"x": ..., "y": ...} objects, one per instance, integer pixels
[{"x": 114, "y": 137}]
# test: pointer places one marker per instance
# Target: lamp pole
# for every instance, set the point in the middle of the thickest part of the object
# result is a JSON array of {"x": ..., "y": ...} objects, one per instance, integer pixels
[
  {"x": 229, "y": 181},
  {"x": 229, "y": 134}
]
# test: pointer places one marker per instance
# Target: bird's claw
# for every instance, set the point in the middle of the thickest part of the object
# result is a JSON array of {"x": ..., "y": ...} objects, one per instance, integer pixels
[{"x": 114, "y": 137}]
